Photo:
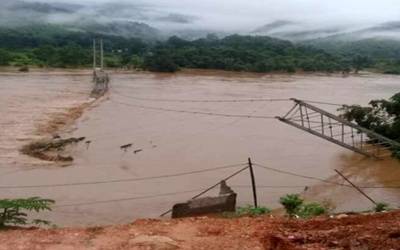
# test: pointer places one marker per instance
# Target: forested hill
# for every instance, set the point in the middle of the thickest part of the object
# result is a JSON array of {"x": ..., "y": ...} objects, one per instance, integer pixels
[
  {"x": 57, "y": 46},
  {"x": 35, "y": 36},
  {"x": 242, "y": 53},
  {"x": 383, "y": 52}
]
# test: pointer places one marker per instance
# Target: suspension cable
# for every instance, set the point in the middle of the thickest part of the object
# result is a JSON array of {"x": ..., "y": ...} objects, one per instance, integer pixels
[
  {"x": 204, "y": 100},
  {"x": 124, "y": 180},
  {"x": 194, "y": 112}
]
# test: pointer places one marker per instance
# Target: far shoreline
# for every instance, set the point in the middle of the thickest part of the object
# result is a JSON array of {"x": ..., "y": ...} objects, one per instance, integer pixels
[{"x": 184, "y": 71}]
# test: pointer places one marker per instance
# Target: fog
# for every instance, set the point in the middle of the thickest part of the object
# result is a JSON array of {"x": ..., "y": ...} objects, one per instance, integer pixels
[{"x": 227, "y": 15}]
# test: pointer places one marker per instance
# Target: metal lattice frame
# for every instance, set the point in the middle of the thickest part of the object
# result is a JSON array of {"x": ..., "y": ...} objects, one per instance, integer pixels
[{"x": 338, "y": 130}]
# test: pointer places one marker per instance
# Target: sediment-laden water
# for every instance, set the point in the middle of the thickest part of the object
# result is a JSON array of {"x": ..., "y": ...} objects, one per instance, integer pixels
[{"x": 174, "y": 142}]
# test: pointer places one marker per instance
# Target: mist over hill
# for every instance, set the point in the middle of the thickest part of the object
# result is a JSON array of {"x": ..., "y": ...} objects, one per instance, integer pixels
[
  {"x": 158, "y": 20},
  {"x": 362, "y": 31},
  {"x": 297, "y": 31}
]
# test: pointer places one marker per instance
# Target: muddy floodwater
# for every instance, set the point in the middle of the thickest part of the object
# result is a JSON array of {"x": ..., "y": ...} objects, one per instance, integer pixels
[{"x": 138, "y": 111}]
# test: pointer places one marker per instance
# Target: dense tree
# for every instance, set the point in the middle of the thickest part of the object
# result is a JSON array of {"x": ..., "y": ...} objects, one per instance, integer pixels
[
  {"x": 135, "y": 62},
  {"x": 360, "y": 62},
  {"x": 47, "y": 54},
  {"x": 245, "y": 53},
  {"x": 381, "y": 116},
  {"x": 56, "y": 46},
  {"x": 5, "y": 57},
  {"x": 73, "y": 55},
  {"x": 160, "y": 61}
]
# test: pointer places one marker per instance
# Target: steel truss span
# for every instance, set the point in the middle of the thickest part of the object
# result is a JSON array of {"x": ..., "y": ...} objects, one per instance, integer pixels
[{"x": 337, "y": 130}]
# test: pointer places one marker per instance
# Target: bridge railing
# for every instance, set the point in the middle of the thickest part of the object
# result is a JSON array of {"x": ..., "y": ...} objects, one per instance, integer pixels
[{"x": 337, "y": 130}]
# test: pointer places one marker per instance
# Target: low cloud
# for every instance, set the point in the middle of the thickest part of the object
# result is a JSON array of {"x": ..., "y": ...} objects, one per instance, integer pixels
[{"x": 222, "y": 15}]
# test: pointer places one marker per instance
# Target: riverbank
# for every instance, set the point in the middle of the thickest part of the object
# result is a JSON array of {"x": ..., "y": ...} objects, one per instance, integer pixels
[
  {"x": 358, "y": 231},
  {"x": 190, "y": 71}
]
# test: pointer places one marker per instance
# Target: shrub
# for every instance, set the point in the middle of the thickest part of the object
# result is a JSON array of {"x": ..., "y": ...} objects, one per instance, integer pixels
[
  {"x": 291, "y": 203},
  {"x": 380, "y": 207},
  {"x": 112, "y": 62},
  {"x": 11, "y": 210},
  {"x": 295, "y": 206},
  {"x": 246, "y": 211},
  {"x": 252, "y": 211},
  {"x": 24, "y": 69},
  {"x": 22, "y": 59},
  {"x": 392, "y": 71},
  {"x": 5, "y": 57},
  {"x": 311, "y": 210},
  {"x": 160, "y": 62},
  {"x": 136, "y": 61}
]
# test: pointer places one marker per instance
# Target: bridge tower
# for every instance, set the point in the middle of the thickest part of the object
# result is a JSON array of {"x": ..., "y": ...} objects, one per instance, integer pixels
[{"x": 96, "y": 53}]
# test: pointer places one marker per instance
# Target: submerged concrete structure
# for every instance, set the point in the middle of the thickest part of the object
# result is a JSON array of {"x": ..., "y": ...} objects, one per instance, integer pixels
[{"x": 224, "y": 202}]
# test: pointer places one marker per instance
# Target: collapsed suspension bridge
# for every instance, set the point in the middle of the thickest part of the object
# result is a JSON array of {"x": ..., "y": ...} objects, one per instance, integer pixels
[{"x": 304, "y": 116}]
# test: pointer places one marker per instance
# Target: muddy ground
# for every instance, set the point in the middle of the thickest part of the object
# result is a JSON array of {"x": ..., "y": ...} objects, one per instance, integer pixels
[{"x": 373, "y": 231}]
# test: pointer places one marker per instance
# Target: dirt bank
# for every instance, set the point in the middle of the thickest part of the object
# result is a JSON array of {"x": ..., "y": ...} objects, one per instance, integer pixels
[{"x": 375, "y": 231}]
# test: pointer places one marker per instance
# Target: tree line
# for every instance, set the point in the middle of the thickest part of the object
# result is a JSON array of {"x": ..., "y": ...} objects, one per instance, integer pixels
[
  {"x": 52, "y": 46},
  {"x": 246, "y": 53},
  {"x": 55, "y": 46}
]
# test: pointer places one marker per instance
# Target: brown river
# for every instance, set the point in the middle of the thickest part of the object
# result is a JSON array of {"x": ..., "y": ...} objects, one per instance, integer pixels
[{"x": 137, "y": 111}]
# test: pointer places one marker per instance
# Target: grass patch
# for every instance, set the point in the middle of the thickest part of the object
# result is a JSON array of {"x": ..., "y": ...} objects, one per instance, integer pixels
[{"x": 247, "y": 210}]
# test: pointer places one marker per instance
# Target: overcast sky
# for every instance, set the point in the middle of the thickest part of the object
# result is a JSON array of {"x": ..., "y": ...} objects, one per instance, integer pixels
[{"x": 244, "y": 14}]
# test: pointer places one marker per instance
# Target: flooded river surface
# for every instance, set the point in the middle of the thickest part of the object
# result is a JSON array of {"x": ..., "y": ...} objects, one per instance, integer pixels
[{"x": 138, "y": 111}]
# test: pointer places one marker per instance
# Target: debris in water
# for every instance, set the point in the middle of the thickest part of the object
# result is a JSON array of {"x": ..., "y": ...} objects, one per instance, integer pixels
[
  {"x": 49, "y": 149},
  {"x": 81, "y": 139},
  {"x": 126, "y": 146},
  {"x": 137, "y": 151},
  {"x": 87, "y": 144},
  {"x": 152, "y": 145}
]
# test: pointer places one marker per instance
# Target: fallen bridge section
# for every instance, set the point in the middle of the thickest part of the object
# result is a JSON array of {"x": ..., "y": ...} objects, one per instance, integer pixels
[{"x": 337, "y": 130}]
